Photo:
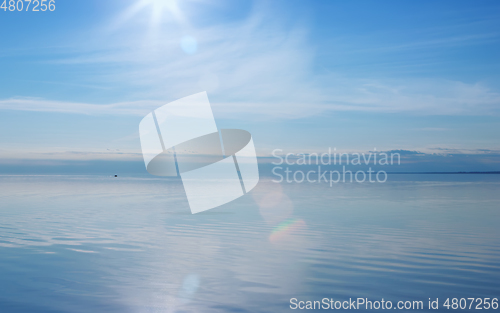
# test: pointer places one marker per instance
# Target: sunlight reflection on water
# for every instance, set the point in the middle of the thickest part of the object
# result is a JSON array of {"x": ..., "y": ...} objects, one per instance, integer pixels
[{"x": 88, "y": 243}]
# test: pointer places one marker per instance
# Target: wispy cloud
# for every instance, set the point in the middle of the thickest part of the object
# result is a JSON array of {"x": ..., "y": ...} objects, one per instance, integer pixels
[
  {"x": 258, "y": 66},
  {"x": 424, "y": 97},
  {"x": 433, "y": 129},
  {"x": 43, "y": 105},
  {"x": 443, "y": 41},
  {"x": 14, "y": 156}
]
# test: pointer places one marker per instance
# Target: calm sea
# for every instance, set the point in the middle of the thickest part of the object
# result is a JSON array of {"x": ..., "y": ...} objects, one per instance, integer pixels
[{"x": 130, "y": 244}]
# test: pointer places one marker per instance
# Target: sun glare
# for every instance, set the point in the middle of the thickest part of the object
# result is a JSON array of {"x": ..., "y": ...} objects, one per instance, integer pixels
[
  {"x": 165, "y": 6},
  {"x": 160, "y": 10}
]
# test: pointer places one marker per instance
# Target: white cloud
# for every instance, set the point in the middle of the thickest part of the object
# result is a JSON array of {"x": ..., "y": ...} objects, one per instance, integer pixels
[
  {"x": 254, "y": 67},
  {"x": 42, "y": 105},
  {"x": 425, "y": 97}
]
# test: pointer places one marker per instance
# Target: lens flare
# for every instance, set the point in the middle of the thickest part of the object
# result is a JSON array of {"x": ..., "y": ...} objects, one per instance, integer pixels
[
  {"x": 286, "y": 229},
  {"x": 189, "y": 287},
  {"x": 189, "y": 44}
]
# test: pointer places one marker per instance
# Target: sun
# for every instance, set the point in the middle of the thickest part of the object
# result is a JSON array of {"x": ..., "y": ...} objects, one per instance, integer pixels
[
  {"x": 159, "y": 9},
  {"x": 164, "y": 6},
  {"x": 170, "y": 5}
]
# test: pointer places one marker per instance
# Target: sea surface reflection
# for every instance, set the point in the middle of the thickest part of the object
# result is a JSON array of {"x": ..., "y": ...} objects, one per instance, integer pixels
[{"x": 130, "y": 244}]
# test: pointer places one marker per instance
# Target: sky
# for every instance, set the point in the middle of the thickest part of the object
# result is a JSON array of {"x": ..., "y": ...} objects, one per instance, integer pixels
[{"x": 301, "y": 76}]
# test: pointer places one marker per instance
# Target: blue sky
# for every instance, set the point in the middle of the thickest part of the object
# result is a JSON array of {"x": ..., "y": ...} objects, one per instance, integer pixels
[{"x": 299, "y": 75}]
